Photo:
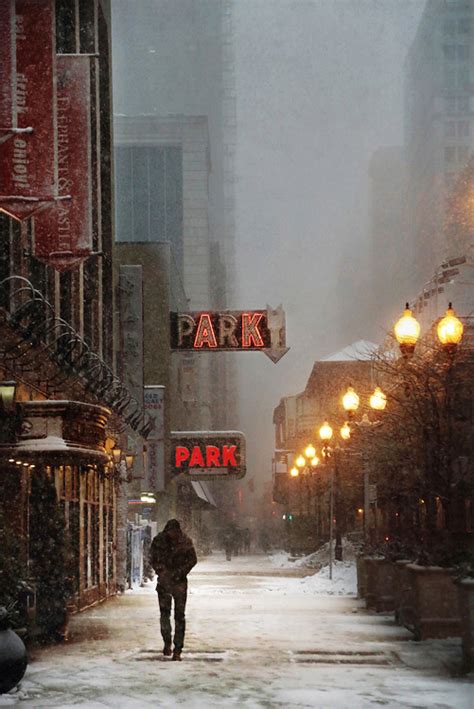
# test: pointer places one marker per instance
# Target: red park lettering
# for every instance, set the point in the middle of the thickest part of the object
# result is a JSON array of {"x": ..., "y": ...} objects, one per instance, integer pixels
[{"x": 206, "y": 457}]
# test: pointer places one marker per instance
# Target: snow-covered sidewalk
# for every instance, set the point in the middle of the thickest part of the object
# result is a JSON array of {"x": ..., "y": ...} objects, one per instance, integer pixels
[{"x": 254, "y": 639}]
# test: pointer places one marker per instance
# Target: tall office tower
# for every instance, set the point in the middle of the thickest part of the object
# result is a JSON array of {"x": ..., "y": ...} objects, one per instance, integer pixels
[
  {"x": 391, "y": 251},
  {"x": 174, "y": 93},
  {"x": 439, "y": 124}
]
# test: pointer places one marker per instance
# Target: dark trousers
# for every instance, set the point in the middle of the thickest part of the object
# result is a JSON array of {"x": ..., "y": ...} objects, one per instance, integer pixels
[{"x": 178, "y": 593}]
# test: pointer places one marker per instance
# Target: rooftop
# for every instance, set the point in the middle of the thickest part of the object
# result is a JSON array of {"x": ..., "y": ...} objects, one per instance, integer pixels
[{"x": 360, "y": 350}]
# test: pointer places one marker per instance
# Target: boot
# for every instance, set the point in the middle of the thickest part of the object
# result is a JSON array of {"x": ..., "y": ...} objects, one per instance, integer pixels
[
  {"x": 167, "y": 650},
  {"x": 177, "y": 655}
]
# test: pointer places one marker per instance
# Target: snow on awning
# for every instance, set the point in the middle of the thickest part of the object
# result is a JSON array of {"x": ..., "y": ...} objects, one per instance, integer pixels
[
  {"x": 203, "y": 492},
  {"x": 59, "y": 431}
]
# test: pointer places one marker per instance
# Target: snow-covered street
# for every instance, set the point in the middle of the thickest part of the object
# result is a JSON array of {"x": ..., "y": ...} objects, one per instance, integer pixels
[{"x": 258, "y": 635}]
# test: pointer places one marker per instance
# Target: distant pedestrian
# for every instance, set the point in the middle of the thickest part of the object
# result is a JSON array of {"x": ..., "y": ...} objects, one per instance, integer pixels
[
  {"x": 172, "y": 556},
  {"x": 228, "y": 541},
  {"x": 238, "y": 541},
  {"x": 247, "y": 540}
]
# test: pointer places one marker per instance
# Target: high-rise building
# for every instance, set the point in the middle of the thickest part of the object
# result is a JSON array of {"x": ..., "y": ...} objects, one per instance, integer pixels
[
  {"x": 390, "y": 246},
  {"x": 439, "y": 124},
  {"x": 174, "y": 104}
]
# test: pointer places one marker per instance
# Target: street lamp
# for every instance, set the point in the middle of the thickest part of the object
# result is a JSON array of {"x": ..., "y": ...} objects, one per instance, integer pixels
[
  {"x": 325, "y": 432},
  {"x": 300, "y": 461},
  {"x": 450, "y": 331},
  {"x": 294, "y": 472},
  {"x": 407, "y": 332},
  {"x": 315, "y": 461},
  {"x": 350, "y": 401},
  {"x": 378, "y": 400},
  {"x": 310, "y": 451},
  {"x": 345, "y": 432},
  {"x": 7, "y": 395},
  {"x": 116, "y": 455}
]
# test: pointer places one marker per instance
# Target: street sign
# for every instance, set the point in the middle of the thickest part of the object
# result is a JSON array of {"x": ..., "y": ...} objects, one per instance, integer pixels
[
  {"x": 230, "y": 330},
  {"x": 207, "y": 455}
]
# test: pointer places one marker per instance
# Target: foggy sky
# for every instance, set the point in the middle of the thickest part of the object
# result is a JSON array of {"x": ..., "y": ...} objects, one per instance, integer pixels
[{"x": 319, "y": 89}]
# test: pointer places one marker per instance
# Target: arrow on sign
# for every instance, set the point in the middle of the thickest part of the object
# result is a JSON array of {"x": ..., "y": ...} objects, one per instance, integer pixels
[{"x": 277, "y": 327}]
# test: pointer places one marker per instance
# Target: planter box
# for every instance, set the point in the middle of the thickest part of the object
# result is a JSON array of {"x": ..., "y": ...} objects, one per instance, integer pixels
[
  {"x": 404, "y": 593},
  {"x": 380, "y": 577},
  {"x": 436, "y": 602},
  {"x": 361, "y": 576},
  {"x": 466, "y": 611}
]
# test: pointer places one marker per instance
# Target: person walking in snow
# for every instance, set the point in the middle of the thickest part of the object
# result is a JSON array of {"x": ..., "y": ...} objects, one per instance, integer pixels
[
  {"x": 228, "y": 541},
  {"x": 172, "y": 556}
]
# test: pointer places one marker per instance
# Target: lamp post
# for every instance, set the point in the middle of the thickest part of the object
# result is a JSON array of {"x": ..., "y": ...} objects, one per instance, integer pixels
[
  {"x": 450, "y": 331},
  {"x": 305, "y": 464},
  {"x": 325, "y": 433},
  {"x": 377, "y": 402},
  {"x": 407, "y": 332},
  {"x": 7, "y": 395}
]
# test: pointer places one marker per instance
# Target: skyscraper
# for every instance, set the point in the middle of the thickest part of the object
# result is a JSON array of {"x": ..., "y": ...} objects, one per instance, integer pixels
[
  {"x": 439, "y": 124},
  {"x": 173, "y": 71}
]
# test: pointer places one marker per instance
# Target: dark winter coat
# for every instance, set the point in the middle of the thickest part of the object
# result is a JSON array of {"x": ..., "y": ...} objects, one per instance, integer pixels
[{"x": 172, "y": 559}]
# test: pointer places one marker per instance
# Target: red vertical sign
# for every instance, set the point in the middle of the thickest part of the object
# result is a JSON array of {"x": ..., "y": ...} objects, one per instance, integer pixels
[
  {"x": 28, "y": 66},
  {"x": 63, "y": 234},
  {"x": 7, "y": 64}
]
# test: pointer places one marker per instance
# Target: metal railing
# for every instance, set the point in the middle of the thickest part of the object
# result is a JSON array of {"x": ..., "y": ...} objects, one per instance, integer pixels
[{"x": 32, "y": 316}]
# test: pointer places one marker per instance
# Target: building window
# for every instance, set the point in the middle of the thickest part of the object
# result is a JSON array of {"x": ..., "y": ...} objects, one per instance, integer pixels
[
  {"x": 450, "y": 77},
  {"x": 65, "y": 27},
  {"x": 91, "y": 527},
  {"x": 449, "y": 28},
  {"x": 449, "y": 154},
  {"x": 464, "y": 25},
  {"x": 450, "y": 104},
  {"x": 449, "y": 51},
  {"x": 456, "y": 104},
  {"x": 456, "y": 76},
  {"x": 450, "y": 129},
  {"x": 463, "y": 154},
  {"x": 149, "y": 189},
  {"x": 463, "y": 77},
  {"x": 456, "y": 129},
  {"x": 449, "y": 179}
]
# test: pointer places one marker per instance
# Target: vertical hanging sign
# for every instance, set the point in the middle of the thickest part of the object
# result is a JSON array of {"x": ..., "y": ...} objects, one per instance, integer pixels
[
  {"x": 27, "y": 55},
  {"x": 63, "y": 234},
  {"x": 155, "y": 460},
  {"x": 7, "y": 47}
]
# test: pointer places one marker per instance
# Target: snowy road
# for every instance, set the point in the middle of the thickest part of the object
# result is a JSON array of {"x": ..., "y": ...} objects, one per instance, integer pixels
[{"x": 255, "y": 638}]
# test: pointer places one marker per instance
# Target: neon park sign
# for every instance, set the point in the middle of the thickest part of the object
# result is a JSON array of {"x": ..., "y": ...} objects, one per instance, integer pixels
[
  {"x": 206, "y": 455},
  {"x": 250, "y": 330}
]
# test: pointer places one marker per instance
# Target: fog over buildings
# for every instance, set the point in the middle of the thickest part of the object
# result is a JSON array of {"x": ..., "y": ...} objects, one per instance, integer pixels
[{"x": 318, "y": 88}]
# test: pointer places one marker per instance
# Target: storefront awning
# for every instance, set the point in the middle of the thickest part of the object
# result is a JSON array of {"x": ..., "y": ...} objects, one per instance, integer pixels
[{"x": 203, "y": 492}]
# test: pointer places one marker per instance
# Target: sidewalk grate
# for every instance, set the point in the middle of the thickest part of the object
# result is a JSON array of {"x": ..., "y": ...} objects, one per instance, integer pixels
[
  {"x": 343, "y": 657},
  {"x": 192, "y": 655}
]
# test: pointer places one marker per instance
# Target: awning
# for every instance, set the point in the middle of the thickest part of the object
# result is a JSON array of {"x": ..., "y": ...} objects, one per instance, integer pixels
[{"x": 203, "y": 492}]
